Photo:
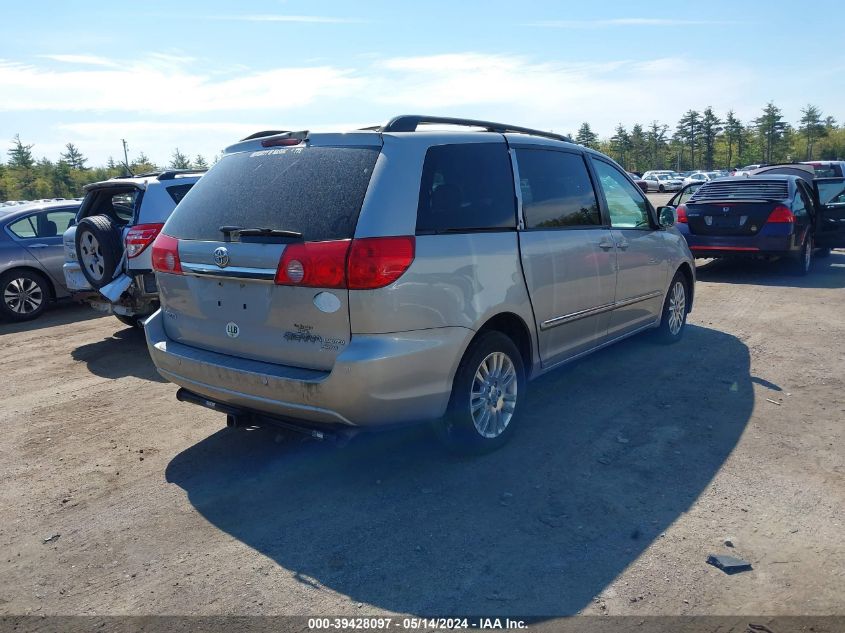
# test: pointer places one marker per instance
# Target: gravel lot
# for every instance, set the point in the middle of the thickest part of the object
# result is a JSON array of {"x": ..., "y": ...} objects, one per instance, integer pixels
[{"x": 632, "y": 466}]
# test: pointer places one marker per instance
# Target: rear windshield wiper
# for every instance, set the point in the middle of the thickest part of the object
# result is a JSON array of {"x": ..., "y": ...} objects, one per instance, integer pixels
[{"x": 231, "y": 232}]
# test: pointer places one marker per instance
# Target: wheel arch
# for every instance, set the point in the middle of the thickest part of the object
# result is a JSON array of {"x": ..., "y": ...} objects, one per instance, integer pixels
[{"x": 514, "y": 327}]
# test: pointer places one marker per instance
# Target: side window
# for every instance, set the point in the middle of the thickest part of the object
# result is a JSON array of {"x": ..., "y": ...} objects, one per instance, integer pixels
[
  {"x": 465, "y": 187},
  {"x": 25, "y": 227},
  {"x": 55, "y": 223},
  {"x": 803, "y": 205},
  {"x": 625, "y": 202},
  {"x": 123, "y": 205},
  {"x": 556, "y": 190},
  {"x": 178, "y": 192}
]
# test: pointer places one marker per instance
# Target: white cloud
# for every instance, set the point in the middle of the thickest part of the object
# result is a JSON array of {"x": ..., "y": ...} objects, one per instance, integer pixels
[
  {"x": 164, "y": 84},
  {"x": 83, "y": 60},
  {"x": 161, "y": 102}
]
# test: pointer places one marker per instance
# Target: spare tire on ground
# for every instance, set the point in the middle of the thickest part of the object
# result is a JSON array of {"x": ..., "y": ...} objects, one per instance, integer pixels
[{"x": 98, "y": 249}]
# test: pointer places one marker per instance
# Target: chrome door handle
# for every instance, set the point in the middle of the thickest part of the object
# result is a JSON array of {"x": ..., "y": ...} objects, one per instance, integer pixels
[
  {"x": 37, "y": 245},
  {"x": 622, "y": 244},
  {"x": 606, "y": 244}
]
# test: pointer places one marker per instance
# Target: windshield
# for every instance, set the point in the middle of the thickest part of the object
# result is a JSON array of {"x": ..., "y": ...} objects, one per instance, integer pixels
[{"x": 315, "y": 191}]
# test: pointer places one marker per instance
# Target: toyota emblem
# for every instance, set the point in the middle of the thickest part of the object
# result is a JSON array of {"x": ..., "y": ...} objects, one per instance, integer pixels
[{"x": 221, "y": 256}]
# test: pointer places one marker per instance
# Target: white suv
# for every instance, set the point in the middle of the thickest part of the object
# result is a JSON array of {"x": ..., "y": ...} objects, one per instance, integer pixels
[{"x": 107, "y": 259}]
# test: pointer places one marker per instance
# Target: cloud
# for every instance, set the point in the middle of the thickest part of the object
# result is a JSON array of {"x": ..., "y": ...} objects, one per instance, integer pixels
[
  {"x": 163, "y": 102},
  {"x": 598, "y": 24},
  {"x": 301, "y": 19},
  {"x": 165, "y": 84},
  {"x": 84, "y": 60}
]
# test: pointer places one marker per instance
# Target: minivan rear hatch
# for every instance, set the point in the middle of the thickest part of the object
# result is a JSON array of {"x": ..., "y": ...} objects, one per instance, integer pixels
[
  {"x": 230, "y": 233},
  {"x": 736, "y": 206}
]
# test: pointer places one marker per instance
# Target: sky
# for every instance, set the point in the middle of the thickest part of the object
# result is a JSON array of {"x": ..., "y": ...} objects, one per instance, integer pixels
[{"x": 200, "y": 75}]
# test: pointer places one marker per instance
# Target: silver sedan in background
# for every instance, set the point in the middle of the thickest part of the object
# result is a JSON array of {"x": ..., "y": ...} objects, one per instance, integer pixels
[
  {"x": 662, "y": 182},
  {"x": 31, "y": 256}
]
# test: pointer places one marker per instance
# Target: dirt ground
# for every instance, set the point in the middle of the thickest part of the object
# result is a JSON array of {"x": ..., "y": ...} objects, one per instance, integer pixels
[{"x": 632, "y": 466}]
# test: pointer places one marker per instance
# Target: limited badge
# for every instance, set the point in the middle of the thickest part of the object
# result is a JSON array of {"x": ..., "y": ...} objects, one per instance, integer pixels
[{"x": 232, "y": 330}]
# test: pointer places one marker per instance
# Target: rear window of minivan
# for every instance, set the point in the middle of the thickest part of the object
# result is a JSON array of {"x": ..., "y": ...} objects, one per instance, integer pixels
[
  {"x": 466, "y": 187},
  {"x": 316, "y": 191}
]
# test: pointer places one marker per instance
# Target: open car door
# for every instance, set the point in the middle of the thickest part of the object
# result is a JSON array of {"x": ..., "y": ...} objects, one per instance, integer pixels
[{"x": 830, "y": 226}]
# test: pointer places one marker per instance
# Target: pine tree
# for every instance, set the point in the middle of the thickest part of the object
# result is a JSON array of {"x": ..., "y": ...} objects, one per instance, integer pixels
[
  {"x": 586, "y": 136},
  {"x": 639, "y": 148},
  {"x": 688, "y": 132},
  {"x": 770, "y": 128},
  {"x": 73, "y": 157},
  {"x": 811, "y": 127},
  {"x": 711, "y": 126},
  {"x": 620, "y": 143},
  {"x": 20, "y": 155},
  {"x": 200, "y": 162},
  {"x": 733, "y": 135},
  {"x": 656, "y": 138},
  {"x": 179, "y": 160}
]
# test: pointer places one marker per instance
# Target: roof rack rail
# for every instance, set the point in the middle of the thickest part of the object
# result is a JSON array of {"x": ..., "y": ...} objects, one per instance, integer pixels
[
  {"x": 264, "y": 133},
  {"x": 409, "y": 123}
]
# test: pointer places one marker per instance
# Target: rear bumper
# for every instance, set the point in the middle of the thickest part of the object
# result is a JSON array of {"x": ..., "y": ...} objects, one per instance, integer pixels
[
  {"x": 74, "y": 279},
  {"x": 763, "y": 244},
  {"x": 378, "y": 380}
]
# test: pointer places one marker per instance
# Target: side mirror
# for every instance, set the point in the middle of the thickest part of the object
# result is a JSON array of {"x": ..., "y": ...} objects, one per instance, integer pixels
[{"x": 667, "y": 216}]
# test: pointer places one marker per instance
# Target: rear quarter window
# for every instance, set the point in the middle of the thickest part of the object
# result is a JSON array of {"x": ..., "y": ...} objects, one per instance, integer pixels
[
  {"x": 316, "y": 191},
  {"x": 466, "y": 187}
]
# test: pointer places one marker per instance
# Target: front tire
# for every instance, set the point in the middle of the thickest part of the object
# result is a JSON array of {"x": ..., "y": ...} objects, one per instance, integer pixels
[
  {"x": 674, "y": 318},
  {"x": 23, "y": 295},
  {"x": 661, "y": 189},
  {"x": 487, "y": 396}
]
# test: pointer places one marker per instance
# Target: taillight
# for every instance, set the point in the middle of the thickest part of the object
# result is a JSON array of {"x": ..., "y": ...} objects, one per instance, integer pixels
[
  {"x": 166, "y": 255},
  {"x": 139, "y": 237},
  {"x": 682, "y": 214},
  {"x": 781, "y": 214},
  {"x": 375, "y": 262},
  {"x": 360, "y": 264},
  {"x": 314, "y": 264}
]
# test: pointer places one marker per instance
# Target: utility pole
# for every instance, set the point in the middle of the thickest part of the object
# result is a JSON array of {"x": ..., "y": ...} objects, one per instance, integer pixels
[{"x": 125, "y": 153}]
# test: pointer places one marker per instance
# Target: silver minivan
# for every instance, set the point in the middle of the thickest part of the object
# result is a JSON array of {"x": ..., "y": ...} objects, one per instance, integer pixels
[{"x": 334, "y": 282}]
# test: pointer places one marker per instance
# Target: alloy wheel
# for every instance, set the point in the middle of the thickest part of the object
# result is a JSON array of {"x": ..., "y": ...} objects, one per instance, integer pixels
[
  {"x": 493, "y": 395},
  {"x": 23, "y": 295},
  {"x": 91, "y": 255},
  {"x": 677, "y": 308}
]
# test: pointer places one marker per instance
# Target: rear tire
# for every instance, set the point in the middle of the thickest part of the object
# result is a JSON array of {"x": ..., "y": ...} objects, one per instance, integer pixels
[
  {"x": 23, "y": 295},
  {"x": 804, "y": 261},
  {"x": 98, "y": 249},
  {"x": 661, "y": 189},
  {"x": 487, "y": 396},
  {"x": 673, "y": 321}
]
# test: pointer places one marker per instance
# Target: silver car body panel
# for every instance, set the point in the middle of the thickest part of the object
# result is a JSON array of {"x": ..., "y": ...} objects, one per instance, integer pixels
[
  {"x": 394, "y": 351},
  {"x": 42, "y": 254}
]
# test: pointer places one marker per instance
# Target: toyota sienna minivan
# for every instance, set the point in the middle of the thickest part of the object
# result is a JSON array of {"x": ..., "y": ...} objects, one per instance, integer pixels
[{"x": 399, "y": 274}]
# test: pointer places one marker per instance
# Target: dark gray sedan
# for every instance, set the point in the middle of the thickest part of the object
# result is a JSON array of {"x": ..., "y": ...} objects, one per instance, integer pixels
[{"x": 31, "y": 256}]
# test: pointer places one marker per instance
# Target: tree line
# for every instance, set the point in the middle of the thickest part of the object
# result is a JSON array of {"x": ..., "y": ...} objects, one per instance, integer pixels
[
  {"x": 22, "y": 177},
  {"x": 700, "y": 140},
  {"x": 704, "y": 140}
]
